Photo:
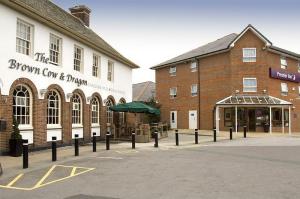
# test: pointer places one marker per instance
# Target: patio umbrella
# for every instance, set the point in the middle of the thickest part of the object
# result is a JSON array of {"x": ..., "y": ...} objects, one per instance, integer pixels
[{"x": 135, "y": 107}]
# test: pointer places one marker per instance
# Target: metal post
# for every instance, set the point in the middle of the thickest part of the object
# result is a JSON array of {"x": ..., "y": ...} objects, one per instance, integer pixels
[
  {"x": 54, "y": 150},
  {"x": 25, "y": 154},
  {"x": 176, "y": 137},
  {"x": 94, "y": 142},
  {"x": 133, "y": 140},
  {"x": 215, "y": 135},
  {"x": 156, "y": 139},
  {"x": 196, "y": 136},
  {"x": 245, "y": 131},
  {"x": 230, "y": 133},
  {"x": 76, "y": 145},
  {"x": 107, "y": 141},
  {"x": 236, "y": 120}
]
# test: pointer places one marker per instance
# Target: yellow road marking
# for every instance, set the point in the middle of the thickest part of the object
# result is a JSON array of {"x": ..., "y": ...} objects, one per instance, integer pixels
[
  {"x": 15, "y": 180},
  {"x": 41, "y": 183},
  {"x": 73, "y": 171},
  {"x": 45, "y": 176}
]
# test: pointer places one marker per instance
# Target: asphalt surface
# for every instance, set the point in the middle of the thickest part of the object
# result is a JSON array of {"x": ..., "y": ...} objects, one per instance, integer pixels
[{"x": 218, "y": 170}]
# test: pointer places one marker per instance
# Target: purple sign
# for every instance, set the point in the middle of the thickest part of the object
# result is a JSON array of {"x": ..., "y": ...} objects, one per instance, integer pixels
[{"x": 284, "y": 75}]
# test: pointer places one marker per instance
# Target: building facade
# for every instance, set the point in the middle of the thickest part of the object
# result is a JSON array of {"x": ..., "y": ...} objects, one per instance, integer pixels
[
  {"x": 58, "y": 77},
  {"x": 238, "y": 80}
]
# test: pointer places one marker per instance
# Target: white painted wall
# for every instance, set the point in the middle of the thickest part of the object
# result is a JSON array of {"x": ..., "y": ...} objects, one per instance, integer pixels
[{"x": 120, "y": 87}]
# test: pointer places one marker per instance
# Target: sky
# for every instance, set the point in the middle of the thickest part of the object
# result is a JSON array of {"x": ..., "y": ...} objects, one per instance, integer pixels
[{"x": 149, "y": 32}]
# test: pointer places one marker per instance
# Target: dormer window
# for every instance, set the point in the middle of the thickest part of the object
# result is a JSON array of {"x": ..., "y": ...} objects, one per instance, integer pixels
[
  {"x": 172, "y": 71},
  {"x": 283, "y": 63},
  {"x": 249, "y": 54}
]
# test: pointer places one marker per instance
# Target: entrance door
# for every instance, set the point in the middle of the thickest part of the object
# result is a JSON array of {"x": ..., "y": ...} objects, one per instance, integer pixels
[
  {"x": 252, "y": 120},
  {"x": 173, "y": 119},
  {"x": 192, "y": 119}
]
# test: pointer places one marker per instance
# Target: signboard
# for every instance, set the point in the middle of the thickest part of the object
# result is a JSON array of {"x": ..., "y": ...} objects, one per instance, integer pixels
[{"x": 284, "y": 75}]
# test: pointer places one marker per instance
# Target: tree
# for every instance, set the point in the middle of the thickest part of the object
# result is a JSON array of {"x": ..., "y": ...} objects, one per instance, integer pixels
[{"x": 151, "y": 117}]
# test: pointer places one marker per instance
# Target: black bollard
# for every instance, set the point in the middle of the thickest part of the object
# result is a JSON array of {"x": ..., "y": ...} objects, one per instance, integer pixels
[
  {"x": 196, "y": 136},
  {"x": 230, "y": 131},
  {"x": 245, "y": 131},
  {"x": 156, "y": 139},
  {"x": 133, "y": 140},
  {"x": 54, "y": 150},
  {"x": 76, "y": 145},
  {"x": 107, "y": 141},
  {"x": 25, "y": 154},
  {"x": 177, "y": 137},
  {"x": 94, "y": 142},
  {"x": 215, "y": 135}
]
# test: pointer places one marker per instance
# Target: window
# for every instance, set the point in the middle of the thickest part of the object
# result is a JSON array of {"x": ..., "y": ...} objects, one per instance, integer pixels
[
  {"x": 53, "y": 108},
  {"x": 249, "y": 54},
  {"x": 172, "y": 71},
  {"x": 249, "y": 85},
  {"x": 76, "y": 109},
  {"x": 299, "y": 90},
  {"x": 122, "y": 114},
  {"x": 109, "y": 113},
  {"x": 283, "y": 63},
  {"x": 95, "y": 111},
  {"x": 299, "y": 67},
  {"x": 22, "y": 107},
  {"x": 284, "y": 89},
  {"x": 96, "y": 66},
  {"x": 24, "y": 37},
  {"x": 55, "y": 50},
  {"x": 194, "y": 90},
  {"x": 110, "y": 71},
  {"x": 78, "y": 58},
  {"x": 193, "y": 66},
  {"x": 173, "y": 92}
]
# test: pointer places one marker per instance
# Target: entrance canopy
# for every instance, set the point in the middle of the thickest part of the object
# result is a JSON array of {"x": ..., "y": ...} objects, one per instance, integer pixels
[{"x": 252, "y": 100}]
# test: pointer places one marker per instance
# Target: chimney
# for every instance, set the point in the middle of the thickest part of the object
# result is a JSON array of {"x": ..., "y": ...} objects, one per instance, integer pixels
[{"x": 82, "y": 12}]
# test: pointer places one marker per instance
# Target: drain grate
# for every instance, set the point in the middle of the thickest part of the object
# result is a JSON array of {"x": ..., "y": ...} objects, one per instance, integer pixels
[{"x": 88, "y": 197}]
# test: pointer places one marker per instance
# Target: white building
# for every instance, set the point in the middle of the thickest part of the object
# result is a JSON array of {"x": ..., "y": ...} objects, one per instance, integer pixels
[{"x": 57, "y": 75}]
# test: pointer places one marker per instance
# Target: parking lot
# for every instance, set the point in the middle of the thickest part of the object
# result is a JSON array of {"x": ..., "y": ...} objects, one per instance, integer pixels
[{"x": 256, "y": 167}]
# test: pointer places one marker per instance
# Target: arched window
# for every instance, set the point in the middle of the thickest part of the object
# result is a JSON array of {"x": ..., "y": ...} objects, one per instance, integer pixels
[
  {"x": 109, "y": 113},
  {"x": 95, "y": 111},
  {"x": 76, "y": 109},
  {"x": 53, "y": 108},
  {"x": 22, "y": 105}
]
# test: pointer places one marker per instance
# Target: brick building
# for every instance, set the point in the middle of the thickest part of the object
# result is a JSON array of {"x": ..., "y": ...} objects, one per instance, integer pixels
[
  {"x": 238, "y": 80},
  {"x": 58, "y": 77}
]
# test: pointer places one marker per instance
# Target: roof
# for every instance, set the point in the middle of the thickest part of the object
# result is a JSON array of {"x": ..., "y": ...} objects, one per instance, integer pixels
[
  {"x": 143, "y": 91},
  {"x": 252, "y": 100},
  {"x": 221, "y": 45},
  {"x": 47, "y": 11}
]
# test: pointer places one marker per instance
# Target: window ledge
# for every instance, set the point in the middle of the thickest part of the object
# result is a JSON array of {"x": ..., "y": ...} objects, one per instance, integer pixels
[
  {"x": 77, "y": 126},
  {"x": 95, "y": 125},
  {"x": 25, "y": 127},
  {"x": 54, "y": 127}
]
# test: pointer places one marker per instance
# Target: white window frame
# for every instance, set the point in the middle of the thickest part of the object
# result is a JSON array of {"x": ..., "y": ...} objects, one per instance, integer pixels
[
  {"x": 173, "y": 94},
  {"x": 247, "y": 89},
  {"x": 284, "y": 89},
  {"x": 172, "y": 71},
  {"x": 56, "y": 48},
  {"x": 95, "y": 111},
  {"x": 194, "y": 67},
  {"x": 28, "y": 106},
  {"x": 110, "y": 71},
  {"x": 96, "y": 66},
  {"x": 249, "y": 58},
  {"x": 56, "y": 109},
  {"x": 109, "y": 113},
  {"x": 77, "y": 118},
  {"x": 78, "y": 58},
  {"x": 299, "y": 90},
  {"x": 283, "y": 62},
  {"x": 298, "y": 66},
  {"x": 22, "y": 49},
  {"x": 192, "y": 90}
]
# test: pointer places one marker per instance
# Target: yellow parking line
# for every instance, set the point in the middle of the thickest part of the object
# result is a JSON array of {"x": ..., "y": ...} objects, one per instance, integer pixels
[
  {"x": 16, "y": 188},
  {"x": 45, "y": 176},
  {"x": 73, "y": 171},
  {"x": 15, "y": 180}
]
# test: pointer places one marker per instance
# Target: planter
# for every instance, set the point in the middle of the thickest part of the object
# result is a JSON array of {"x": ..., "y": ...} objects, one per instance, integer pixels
[{"x": 15, "y": 147}]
